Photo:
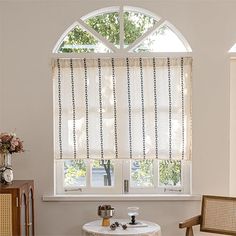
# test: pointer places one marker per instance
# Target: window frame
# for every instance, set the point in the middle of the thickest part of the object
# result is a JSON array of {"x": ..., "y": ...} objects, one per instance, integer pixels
[
  {"x": 121, "y": 173},
  {"x": 59, "y": 179},
  {"x": 156, "y": 189},
  {"x": 121, "y": 9},
  {"x": 120, "y": 168}
]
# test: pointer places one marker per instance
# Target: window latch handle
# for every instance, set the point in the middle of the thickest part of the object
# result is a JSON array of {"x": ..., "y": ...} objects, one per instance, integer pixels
[{"x": 126, "y": 186}]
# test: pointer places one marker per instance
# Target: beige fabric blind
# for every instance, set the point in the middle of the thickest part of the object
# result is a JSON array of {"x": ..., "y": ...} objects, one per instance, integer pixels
[{"x": 122, "y": 108}]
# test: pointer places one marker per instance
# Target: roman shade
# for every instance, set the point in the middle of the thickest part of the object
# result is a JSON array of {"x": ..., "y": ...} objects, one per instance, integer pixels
[{"x": 122, "y": 108}]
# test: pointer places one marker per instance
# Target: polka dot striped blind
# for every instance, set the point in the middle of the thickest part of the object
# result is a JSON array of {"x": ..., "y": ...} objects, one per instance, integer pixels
[{"x": 122, "y": 108}]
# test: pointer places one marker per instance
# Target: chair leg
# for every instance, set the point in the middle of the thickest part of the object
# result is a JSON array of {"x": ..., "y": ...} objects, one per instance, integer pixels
[{"x": 189, "y": 231}]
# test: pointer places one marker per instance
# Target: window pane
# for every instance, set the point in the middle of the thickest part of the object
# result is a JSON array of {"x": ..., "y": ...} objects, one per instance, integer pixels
[
  {"x": 169, "y": 173},
  {"x": 135, "y": 25},
  {"x": 107, "y": 25},
  {"x": 79, "y": 40},
  {"x": 162, "y": 40},
  {"x": 75, "y": 173},
  {"x": 102, "y": 173},
  {"x": 142, "y": 174}
]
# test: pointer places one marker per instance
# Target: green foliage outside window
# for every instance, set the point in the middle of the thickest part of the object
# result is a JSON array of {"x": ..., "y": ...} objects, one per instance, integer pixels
[
  {"x": 170, "y": 172},
  {"x": 73, "y": 170},
  {"x": 142, "y": 173},
  {"x": 77, "y": 37},
  {"x": 135, "y": 25},
  {"x": 107, "y": 25}
]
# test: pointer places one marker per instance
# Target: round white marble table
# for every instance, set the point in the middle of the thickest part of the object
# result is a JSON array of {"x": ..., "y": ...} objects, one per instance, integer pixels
[{"x": 94, "y": 228}]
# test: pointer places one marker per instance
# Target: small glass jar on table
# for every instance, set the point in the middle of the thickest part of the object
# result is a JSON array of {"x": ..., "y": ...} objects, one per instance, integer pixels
[{"x": 133, "y": 212}]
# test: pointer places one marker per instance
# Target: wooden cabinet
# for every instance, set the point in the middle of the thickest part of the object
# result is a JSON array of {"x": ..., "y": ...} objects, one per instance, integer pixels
[{"x": 17, "y": 208}]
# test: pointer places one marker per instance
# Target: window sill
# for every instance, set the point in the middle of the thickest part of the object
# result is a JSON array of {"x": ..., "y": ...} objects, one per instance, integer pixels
[{"x": 120, "y": 197}]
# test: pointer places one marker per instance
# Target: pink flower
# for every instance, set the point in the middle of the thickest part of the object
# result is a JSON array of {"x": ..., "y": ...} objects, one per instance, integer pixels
[
  {"x": 6, "y": 137},
  {"x": 9, "y": 143}
]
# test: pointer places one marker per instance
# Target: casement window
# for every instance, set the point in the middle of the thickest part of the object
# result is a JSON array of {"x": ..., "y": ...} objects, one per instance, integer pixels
[{"x": 122, "y": 113}]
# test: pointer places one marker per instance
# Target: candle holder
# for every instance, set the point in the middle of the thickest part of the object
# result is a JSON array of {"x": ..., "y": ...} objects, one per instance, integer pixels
[
  {"x": 106, "y": 212},
  {"x": 133, "y": 212}
]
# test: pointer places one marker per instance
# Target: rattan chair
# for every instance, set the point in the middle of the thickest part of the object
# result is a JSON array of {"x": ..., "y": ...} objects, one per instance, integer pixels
[{"x": 218, "y": 216}]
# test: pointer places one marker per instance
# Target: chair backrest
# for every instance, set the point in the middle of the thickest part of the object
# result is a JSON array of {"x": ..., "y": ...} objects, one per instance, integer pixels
[{"x": 218, "y": 215}]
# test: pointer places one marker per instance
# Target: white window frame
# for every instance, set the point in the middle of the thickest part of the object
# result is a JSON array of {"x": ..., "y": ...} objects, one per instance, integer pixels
[
  {"x": 121, "y": 168},
  {"x": 88, "y": 189},
  {"x": 122, "y": 172},
  {"x": 120, "y": 9},
  {"x": 156, "y": 189}
]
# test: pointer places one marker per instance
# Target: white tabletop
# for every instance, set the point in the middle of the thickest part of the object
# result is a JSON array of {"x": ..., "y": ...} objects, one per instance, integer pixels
[{"x": 94, "y": 228}]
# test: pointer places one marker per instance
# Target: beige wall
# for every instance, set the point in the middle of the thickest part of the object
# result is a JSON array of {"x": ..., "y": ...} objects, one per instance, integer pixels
[
  {"x": 232, "y": 127},
  {"x": 29, "y": 31}
]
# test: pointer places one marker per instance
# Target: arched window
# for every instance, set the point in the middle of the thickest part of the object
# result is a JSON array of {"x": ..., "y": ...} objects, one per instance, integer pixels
[
  {"x": 128, "y": 29},
  {"x": 121, "y": 113}
]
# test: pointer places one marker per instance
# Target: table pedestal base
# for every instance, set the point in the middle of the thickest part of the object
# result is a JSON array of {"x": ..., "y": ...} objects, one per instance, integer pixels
[{"x": 105, "y": 222}]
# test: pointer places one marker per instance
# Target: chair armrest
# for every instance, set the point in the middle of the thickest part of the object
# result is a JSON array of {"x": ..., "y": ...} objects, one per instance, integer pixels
[{"x": 190, "y": 222}]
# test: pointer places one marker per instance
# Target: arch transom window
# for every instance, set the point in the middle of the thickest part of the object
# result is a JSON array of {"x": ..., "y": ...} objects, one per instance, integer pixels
[{"x": 121, "y": 28}]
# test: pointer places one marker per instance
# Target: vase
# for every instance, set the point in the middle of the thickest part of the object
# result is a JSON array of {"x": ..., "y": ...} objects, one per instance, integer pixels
[
  {"x": 5, "y": 160},
  {"x": 5, "y": 163}
]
